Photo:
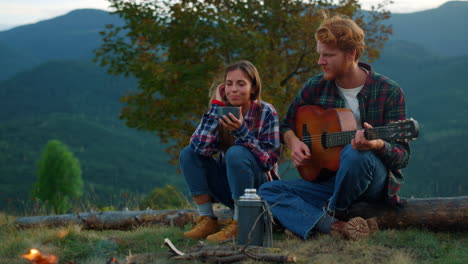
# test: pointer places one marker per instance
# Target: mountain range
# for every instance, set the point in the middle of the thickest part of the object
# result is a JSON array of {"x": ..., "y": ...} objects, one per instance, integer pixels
[
  {"x": 441, "y": 30},
  {"x": 50, "y": 89},
  {"x": 73, "y": 36}
]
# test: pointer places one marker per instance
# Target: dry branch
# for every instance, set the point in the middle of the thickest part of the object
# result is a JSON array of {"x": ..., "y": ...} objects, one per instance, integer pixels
[
  {"x": 172, "y": 248},
  {"x": 228, "y": 254}
]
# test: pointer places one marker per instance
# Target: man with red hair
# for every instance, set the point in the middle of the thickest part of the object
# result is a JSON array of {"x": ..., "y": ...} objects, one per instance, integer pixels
[{"x": 369, "y": 169}]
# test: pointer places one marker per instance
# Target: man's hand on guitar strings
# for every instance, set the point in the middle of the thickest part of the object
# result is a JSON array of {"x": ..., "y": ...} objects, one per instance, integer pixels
[{"x": 360, "y": 142}]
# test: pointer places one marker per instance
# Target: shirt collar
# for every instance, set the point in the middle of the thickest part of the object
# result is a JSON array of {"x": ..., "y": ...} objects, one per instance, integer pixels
[
  {"x": 369, "y": 77},
  {"x": 250, "y": 114}
]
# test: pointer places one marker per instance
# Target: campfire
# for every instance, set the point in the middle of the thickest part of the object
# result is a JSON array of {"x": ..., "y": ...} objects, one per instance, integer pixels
[{"x": 35, "y": 257}]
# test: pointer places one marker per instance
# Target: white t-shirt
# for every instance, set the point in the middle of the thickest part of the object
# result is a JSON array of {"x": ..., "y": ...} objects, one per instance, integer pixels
[{"x": 351, "y": 101}]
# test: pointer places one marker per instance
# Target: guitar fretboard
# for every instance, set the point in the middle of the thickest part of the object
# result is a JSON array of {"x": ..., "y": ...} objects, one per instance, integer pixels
[
  {"x": 334, "y": 139},
  {"x": 345, "y": 137}
]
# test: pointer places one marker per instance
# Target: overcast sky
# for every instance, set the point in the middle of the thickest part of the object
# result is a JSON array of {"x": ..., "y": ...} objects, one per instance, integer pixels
[{"x": 20, "y": 12}]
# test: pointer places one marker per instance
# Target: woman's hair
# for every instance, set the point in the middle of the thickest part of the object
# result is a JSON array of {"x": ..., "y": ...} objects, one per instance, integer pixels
[{"x": 341, "y": 32}]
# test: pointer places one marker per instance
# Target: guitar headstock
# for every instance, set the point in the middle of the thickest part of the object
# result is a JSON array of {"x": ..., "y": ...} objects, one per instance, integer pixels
[{"x": 407, "y": 129}]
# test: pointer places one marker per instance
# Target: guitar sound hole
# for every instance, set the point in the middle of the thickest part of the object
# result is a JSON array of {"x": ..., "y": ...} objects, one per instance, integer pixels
[{"x": 323, "y": 139}]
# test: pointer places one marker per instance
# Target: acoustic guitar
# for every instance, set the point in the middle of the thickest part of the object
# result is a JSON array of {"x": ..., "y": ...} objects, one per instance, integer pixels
[{"x": 327, "y": 131}]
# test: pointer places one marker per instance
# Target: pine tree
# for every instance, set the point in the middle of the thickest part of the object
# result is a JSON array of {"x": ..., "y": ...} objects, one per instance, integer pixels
[{"x": 59, "y": 176}]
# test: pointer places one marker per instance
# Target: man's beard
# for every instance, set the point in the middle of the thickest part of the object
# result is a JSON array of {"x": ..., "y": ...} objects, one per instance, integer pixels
[
  {"x": 329, "y": 77},
  {"x": 333, "y": 75}
]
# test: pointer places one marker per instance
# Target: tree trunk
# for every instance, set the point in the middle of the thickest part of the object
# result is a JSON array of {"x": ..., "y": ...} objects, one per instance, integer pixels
[
  {"x": 122, "y": 220},
  {"x": 437, "y": 214}
]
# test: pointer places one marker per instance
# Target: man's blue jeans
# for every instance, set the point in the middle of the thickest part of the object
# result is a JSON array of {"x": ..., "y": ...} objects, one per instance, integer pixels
[
  {"x": 224, "y": 180},
  {"x": 299, "y": 204}
]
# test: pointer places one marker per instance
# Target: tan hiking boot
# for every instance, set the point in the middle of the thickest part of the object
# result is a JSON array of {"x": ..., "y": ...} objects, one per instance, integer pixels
[
  {"x": 354, "y": 229},
  {"x": 227, "y": 233},
  {"x": 205, "y": 226}
]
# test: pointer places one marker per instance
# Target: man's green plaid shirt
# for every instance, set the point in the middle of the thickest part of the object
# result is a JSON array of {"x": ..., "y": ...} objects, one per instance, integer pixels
[{"x": 381, "y": 101}]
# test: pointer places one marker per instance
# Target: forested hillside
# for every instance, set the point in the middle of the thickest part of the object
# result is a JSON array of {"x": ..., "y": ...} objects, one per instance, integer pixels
[
  {"x": 78, "y": 104},
  {"x": 436, "y": 94}
]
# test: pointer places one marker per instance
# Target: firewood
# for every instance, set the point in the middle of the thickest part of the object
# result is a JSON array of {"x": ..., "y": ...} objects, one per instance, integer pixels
[
  {"x": 229, "y": 254},
  {"x": 172, "y": 248},
  {"x": 229, "y": 259},
  {"x": 206, "y": 254},
  {"x": 272, "y": 258}
]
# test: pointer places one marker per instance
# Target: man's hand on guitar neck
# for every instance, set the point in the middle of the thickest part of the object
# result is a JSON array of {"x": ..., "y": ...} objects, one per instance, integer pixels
[
  {"x": 299, "y": 150},
  {"x": 361, "y": 143}
]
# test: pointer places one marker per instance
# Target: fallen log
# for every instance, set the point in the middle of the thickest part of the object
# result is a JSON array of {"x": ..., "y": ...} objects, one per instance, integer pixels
[
  {"x": 436, "y": 214},
  {"x": 120, "y": 220}
]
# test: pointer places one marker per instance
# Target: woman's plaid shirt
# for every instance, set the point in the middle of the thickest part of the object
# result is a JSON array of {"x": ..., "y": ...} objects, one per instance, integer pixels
[
  {"x": 260, "y": 135},
  {"x": 381, "y": 100}
]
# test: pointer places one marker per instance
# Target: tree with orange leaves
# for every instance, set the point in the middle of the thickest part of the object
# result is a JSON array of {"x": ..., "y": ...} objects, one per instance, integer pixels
[{"x": 176, "y": 49}]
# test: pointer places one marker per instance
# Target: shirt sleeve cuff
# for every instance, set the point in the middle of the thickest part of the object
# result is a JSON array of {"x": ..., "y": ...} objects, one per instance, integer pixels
[
  {"x": 216, "y": 102},
  {"x": 386, "y": 148},
  {"x": 213, "y": 111}
]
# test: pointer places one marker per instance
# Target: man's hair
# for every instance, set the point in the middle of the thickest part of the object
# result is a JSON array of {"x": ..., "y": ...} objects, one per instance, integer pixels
[{"x": 341, "y": 32}]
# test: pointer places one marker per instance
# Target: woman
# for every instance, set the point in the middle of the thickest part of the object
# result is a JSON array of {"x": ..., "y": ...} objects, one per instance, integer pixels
[{"x": 248, "y": 147}]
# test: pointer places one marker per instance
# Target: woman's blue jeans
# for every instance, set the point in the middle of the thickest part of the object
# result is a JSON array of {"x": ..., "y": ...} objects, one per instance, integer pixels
[
  {"x": 224, "y": 180},
  {"x": 299, "y": 204}
]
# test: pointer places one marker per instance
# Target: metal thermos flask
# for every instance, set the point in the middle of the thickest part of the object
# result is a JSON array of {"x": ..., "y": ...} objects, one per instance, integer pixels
[{"x": 250, "y": 207}]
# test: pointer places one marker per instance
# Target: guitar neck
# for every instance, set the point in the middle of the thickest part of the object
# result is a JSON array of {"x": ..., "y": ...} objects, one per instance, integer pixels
[{"x": 344, "y": 137}]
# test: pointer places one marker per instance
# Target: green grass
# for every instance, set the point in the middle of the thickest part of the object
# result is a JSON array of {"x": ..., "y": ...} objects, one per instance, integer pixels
[
  {"x": 89, "y": 246},
  {"x": 84, "y": 246},
  {"x": 425, "y": 246}
]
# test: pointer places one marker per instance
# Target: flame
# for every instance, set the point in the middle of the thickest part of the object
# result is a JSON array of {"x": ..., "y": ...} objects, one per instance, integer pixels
[
  {"x": 36, "y": 258},
  {"x": 32, "y": 254}
]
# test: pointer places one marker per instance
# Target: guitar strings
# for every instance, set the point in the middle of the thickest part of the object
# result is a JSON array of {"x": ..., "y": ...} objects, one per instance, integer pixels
[
  {"x": 346, "y": 133},
  {"x": 353, "y": 132}
]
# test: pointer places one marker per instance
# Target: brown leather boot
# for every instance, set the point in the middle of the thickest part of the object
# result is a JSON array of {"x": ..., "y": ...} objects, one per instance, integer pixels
[
  {"x": 227, "y": 233},
  {"x": 355, "y": 229},
  {"x": 205, "y": 226}
]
